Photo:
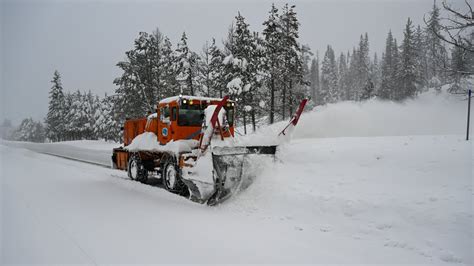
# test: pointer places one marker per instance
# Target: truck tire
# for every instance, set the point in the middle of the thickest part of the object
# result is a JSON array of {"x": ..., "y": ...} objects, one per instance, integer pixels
[
  {"x": 171, "y": 177},
  {"x": 136, "y": 170}
]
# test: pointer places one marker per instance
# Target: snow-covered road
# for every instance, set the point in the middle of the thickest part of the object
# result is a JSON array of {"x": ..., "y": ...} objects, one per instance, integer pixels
[
  {"x": 335, "y": 200},
  {"x": 95, "y": 152}
]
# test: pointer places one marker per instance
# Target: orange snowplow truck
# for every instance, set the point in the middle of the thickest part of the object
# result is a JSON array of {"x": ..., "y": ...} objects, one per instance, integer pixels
[
  {"x": 171, "y": 141},
  {"x": 176, "y": 118}
]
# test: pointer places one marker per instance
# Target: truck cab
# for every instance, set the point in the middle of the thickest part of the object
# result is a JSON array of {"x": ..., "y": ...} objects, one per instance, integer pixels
[
  {"x": 181, "y": 117},
  {"x": 176, "y": 118}
]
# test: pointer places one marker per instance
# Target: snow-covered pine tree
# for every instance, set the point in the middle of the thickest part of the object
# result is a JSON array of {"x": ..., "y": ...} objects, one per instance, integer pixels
[
  {"x": 292, "y": 69},
  {"x": 129, "y": 100},
  {"x": 397, "y": 72},
  {"x": 421, "y": 59},
  {"x": 408, "y": 65},
  {"x": 186, "y": 67},
  {"x": 314, "y": 78},
  {"x": 303, "y": 89},
  {"x": 240, "y": 67},
  {"x": 55, "y": 118},
  {"x": 272, "y": 59},
  {"x": 435, "y": 51},
  {"x": 6, "y": 129},
  {"x": 146, "y": 60},
  {"x": 105, "y": 125},
  {"x": 29, "y": 130},
  {"x": 342, "y": 78},
  {"x": 376, "y": 73},
  {"x": 89, "y": 106},
  {"x": 143, "y": 80},
  {"x": 328, "y": 92},
  {"x": 352, "y": 76},
  {"x": 216, "y": 70},
  {"x": 211, "y": 71},
  {"x": 99, "y": 117},
  {"x": 170, "y": 85},
  {"x": 389, "y": 69},
  {"x": 260, "y": 93},
  {"x": 365, "y": 86}
]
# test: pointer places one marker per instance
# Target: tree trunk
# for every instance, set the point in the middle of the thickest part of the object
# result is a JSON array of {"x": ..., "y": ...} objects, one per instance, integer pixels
[
  {"x": 253, "y": 120},
  {"x": 245, "y": 123},
  {"x": 284, "y": 100},
  {"x": 290, "y": 98},
  {"x": 272, "y": 100}
]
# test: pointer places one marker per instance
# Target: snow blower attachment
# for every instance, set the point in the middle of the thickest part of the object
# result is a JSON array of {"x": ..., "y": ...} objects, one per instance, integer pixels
[
  {"x": 229, "y": 163},
  {"x": 175, "y": 143}
]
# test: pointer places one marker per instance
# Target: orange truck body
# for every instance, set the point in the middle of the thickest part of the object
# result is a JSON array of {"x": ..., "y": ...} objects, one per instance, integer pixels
[{"x": 170, "y": 123}]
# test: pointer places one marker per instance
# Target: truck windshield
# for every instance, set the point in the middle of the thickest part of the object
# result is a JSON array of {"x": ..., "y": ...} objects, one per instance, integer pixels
[
  {"x": 193, "y": 115},
  {"x": 190, "y": 115}
]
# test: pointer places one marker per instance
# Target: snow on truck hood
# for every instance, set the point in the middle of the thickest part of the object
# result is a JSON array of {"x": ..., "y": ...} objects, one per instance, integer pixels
[{"x": 148, "y": 141}]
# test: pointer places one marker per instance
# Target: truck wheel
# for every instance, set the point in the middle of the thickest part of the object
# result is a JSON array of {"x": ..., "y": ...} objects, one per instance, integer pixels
[
  {"x": 171, "y": 178},
  {"x": 136, "y": 170}
]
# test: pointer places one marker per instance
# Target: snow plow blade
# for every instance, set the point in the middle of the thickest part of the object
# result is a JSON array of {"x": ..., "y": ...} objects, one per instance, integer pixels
[{"x": 228, "y": 170}]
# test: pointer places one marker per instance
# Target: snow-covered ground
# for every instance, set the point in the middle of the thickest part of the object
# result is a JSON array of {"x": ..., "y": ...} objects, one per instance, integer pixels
[
  {"x": 98, "y": 152},
  {"x": 341, "y": 200},
  {"x": 402, "y": 195}
]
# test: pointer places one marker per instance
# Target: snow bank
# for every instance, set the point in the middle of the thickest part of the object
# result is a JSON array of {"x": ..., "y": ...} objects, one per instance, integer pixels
[{"x": 148, "y": 141}]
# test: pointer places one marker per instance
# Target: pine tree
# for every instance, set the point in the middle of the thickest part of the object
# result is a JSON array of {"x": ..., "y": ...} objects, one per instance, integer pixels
[
  {"x": 56, "y": 116},
  {"x": 388, "y": 84},
  {"x": 6, "y": 129},
  {"x": 376, "y": 74},
  {"x": 105, "y": 125},
  {"x": 211, "y": 71},
  {"x": 329, "y": 90},
  {"x": 240, "y": 68},
  {"x": 170, "y": 85},
  {"x": 421, "y": 59},
  {"x": 435, "y": 51},
  {"x": 186, "y": 67},
  {"x": 365, "y": 86},
  {"x": 272, "y": 59},
  {"x": 292, "y": 73},
  {"x": 342, "y": 77},
  {"x": 303, "y": 87},
  {"x": 408, "y": 66},
  {"x": 77, "y": 118},
  {"x": 143, "y": 81},
  {"x": 29, "y": 130},
  {"x": 353, "y": 75},
  {"x": 314, "y": 78}
]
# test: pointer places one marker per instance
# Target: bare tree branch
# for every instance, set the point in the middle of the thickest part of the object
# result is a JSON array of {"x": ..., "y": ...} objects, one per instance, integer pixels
[{"x": 456, "y": 27}]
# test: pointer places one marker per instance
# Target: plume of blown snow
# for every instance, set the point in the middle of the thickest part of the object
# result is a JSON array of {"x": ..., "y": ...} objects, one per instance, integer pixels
[{"x": 429, "y": 114}]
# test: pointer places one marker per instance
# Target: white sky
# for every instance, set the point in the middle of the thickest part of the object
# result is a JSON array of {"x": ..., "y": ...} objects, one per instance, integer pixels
[{"x": 85, "y": 39}]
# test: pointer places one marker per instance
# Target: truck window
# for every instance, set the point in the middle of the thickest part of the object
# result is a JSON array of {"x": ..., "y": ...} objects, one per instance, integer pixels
[
  {"x": 173, "y": 113},
  {"x": 165, "y": 114},
  {"x": 230, "y": 115},
  {"x": 190, "y": 115}
]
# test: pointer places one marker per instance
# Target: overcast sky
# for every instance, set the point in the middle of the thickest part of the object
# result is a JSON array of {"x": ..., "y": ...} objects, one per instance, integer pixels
[{"x": 84, "y": 40}]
